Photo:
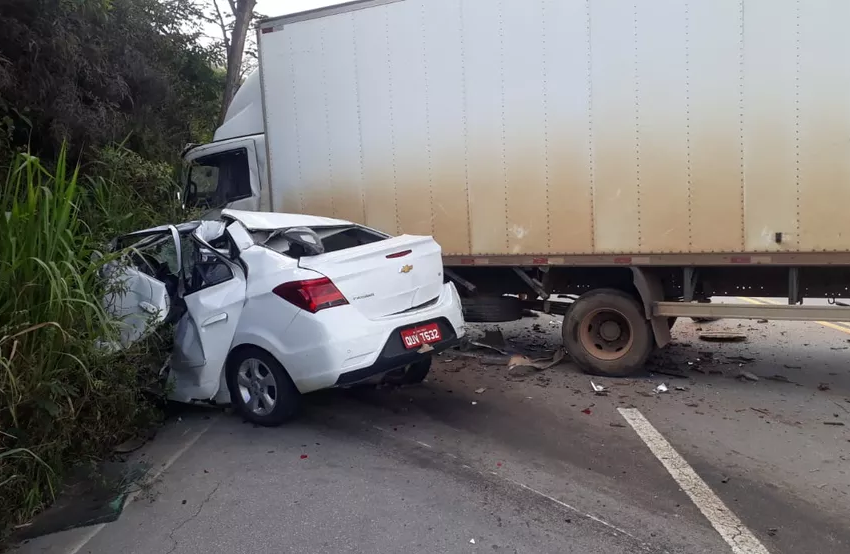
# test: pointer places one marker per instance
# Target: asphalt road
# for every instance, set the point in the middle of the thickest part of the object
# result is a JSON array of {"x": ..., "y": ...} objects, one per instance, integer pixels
[{"x": 536, "y": 462}]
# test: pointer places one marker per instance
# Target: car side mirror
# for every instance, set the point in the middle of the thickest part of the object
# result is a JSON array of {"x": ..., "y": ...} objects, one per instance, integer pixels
[{"x": 306, "y": 240}]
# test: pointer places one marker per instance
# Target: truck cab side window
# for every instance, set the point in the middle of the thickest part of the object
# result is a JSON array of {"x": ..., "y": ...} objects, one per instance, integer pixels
[{"x": 219, "y": 179}]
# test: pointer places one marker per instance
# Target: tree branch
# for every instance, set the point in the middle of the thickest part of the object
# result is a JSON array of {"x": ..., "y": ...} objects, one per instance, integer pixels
[{"x": 223, "y": 27}]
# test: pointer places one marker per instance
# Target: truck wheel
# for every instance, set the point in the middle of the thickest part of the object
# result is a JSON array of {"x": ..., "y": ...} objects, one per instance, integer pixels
[
  {"x": 607, "y": 334},
  {"x": 491, "y": 309}
]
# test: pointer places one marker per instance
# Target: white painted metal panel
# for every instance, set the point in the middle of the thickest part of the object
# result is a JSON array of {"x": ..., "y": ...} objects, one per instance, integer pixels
[
  {"x": 411, "y": 111},
  {"x": 715, "y": 43},
  {"x": 483, "y": 22},
  {"x": 277, "y": 69},
  {"x": 770, "y": 125},
  {"x": 569, "y": 126},
  {"x": 525, "y": 127},
  {"x": 824, "y": 125},
  {"x": 616, "y": 198},
  {"x": 377, "y": 118},
  {"x": 446, "y": 97},
  {"x": 567, "y": 57},
  {"x": 662, "y": 125},
  {"x": 343, "y": 118},
  {"x": 311, "y": 116}
]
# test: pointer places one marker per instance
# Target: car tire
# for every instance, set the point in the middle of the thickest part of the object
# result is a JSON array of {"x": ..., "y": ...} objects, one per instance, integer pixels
[
  {"x": 413, "y": 374},
  {"x": 606, "y": 333},
  {"x": 254, "y": 377},
  {"x": 491, "y": 309}
]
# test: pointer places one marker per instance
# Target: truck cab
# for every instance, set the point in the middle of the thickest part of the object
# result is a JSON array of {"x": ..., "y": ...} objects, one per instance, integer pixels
[{"x": 231, "y": 170}]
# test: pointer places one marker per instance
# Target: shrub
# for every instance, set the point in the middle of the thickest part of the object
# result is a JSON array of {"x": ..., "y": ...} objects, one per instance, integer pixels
[{"x": 62, "y": 401}]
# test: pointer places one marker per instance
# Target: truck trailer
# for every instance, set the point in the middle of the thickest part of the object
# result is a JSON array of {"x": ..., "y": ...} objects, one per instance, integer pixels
[{"x": 641, "y": 157}]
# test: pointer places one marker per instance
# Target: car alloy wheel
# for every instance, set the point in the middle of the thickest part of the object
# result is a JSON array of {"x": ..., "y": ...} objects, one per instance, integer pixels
[{"x": 257, "y": 386}]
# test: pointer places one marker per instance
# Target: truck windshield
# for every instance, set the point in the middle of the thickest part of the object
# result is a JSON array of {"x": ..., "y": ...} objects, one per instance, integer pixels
[{"x": 219, "y": 179}]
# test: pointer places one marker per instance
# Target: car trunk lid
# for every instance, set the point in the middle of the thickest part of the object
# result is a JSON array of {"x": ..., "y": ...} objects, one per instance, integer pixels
[{"x": 386, "y": 277}]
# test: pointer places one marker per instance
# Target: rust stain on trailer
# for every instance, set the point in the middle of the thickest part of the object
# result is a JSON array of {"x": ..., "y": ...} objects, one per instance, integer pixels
[
  {"x": 570, "y": 203},
  {"x": 451, "y": 206},
  {"x": 715, "y": 149}
]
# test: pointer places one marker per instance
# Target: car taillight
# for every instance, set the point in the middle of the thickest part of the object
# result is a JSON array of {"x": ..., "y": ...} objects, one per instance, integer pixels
[{"x": 311, "y": 295}]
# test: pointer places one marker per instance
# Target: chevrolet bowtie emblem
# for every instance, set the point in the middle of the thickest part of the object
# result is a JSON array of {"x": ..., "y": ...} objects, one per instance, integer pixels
[{"x": 406, "y": 269}]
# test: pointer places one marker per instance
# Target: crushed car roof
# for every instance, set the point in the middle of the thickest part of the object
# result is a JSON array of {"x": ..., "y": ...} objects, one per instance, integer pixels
[{"x": 267, "y": 221}]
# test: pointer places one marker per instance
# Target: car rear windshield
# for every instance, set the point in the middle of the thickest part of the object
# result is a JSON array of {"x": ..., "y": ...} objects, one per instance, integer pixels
[{"x": 333, "y": 238}]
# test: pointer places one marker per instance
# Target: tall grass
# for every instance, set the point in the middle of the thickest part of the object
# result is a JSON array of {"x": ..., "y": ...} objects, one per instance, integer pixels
[{"x": 61, "y": 399}]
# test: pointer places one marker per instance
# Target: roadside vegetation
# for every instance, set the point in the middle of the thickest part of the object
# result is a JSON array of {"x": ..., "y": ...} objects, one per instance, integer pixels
[{"x": 97, "y": 100}]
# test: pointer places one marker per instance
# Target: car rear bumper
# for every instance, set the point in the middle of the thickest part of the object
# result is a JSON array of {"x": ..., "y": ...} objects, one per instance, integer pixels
[
  {"x": 395, "y": 355},
  {"x": 340, "y": 346}
]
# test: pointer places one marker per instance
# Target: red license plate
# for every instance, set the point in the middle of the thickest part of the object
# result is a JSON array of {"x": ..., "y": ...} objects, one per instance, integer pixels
[{"x": 413, "y": 338}]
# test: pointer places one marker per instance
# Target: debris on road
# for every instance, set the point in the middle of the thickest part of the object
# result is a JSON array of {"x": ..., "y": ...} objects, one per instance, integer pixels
[
  {"x": 538, "y": 364},
  {"x": 615, "y": 424},
  {"x": 834, "y": 423},
  {"x": 471, "y": 541},
  {"x": 682, "y": 389},
  {"x": 760, "y": 410},
  {"x": 481, "y": 390},
  {"x": 722, "y": 336},
  {"x": 823, "y": 386},
  {"x": 762, "y": 321},
  {"x": 674, "y": 372},
  {"x": 493, "y": 339},
  {"x": 747, "y": 376},
  {"x": 740, "y": 359},
  {"x": 780, "y": 378},
  {"x": 661, "y": 388},
  {"x": 725, "y": 479},
  {"x": 599, "y": 390},
  {"x": 586, "y": 411},
  {"x": 475, "y": 403}
]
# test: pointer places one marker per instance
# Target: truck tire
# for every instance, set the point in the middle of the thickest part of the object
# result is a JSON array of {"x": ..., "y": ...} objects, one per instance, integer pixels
[
  {"x": 606, "y": 333},
  {"x": 491, "y": 309}
]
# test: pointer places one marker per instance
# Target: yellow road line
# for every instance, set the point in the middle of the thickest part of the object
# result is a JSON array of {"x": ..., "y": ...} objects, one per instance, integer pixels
[{"x": 839, "y": 326}]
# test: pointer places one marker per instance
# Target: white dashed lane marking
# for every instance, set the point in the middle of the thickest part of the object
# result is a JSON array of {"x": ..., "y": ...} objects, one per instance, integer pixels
[{"x": 733, "y": 531}]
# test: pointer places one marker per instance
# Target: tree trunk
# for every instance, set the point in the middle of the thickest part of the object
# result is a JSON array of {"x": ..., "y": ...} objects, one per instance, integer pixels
[{"x": 243, "y": 12}]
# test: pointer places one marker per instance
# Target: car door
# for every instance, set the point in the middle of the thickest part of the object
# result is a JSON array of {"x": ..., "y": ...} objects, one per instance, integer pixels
[
  {"x": 214, "y": 298},
  {"x": 137, "y": 284}
]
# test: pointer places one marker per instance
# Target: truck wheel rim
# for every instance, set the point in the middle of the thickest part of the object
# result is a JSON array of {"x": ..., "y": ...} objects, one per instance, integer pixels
[
  {"x": 606, "y": 334},
  {"x": 257, "y": 386}
]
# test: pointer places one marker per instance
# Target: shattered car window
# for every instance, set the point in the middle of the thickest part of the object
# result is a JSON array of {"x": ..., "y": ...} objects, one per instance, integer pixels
[
  {"x": 157, "y": 258},
  {"x": 203, "y": 268},
  {"x": 333, "y": 238}
]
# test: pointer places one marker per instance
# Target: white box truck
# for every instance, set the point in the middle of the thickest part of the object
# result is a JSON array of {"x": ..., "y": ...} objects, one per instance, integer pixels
[{"x": 641, "y": 156}]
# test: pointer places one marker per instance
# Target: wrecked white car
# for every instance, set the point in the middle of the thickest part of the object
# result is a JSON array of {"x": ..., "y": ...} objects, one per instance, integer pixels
[{"x": 270, "y": 306}]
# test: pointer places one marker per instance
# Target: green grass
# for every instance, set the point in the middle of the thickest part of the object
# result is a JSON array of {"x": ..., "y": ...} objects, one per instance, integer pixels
[{"x": 62, "y": 401}]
